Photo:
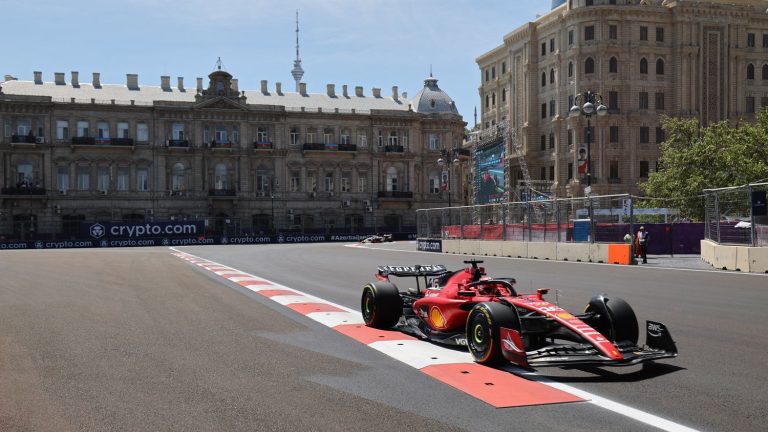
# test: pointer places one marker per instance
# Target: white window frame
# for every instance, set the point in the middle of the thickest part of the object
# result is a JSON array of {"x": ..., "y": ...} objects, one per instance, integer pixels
[
  {"x": 178, "y": 177},
  {"x": 262, "y": 135},
  {"x": 62, "y": 178},
  {"x": 392, "y": 139},
  {"x": 294, "y": 136},
  {"x": 345, "y": 183},
  {"x": 62, "y": 129},
  {"x": 23, "y": 126},
  {"x": 177, "y": 131},
  {"x": 328, "y": 182},
  {"x": 102, "y": 130},
  {"x": 221, "y": 177},
  {"x": 220, "y": 134},
  {"x": 142, "y": 179},
  {"x": 295, "y": 183},
  {"x": 83, "y": 178},
  {"x": 362, "y": 140},
  {"x": 434, "y": 141},
  {"x": 102, "y": 179},
  {"x": 142, "y": 132},
  {"x": 123, "y": 178},
  {"x": 362, "y": 182},
  {"x": 83, "y": 128}
]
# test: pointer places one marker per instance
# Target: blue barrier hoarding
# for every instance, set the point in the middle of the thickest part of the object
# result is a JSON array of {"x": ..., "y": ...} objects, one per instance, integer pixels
[{"x": 137, "y": 230}]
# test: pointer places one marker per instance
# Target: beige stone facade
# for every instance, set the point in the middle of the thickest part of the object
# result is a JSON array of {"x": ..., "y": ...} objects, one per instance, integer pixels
[
  {"x": 255, "y": 160},
  {"x": 703, "y": 59}
]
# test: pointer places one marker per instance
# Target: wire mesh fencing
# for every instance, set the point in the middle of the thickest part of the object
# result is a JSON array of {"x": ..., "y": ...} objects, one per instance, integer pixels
[{"x": 737, "y": 215}]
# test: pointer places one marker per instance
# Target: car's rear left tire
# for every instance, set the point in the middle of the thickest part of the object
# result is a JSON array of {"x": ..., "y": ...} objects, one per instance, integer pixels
[
  {"x": 381, "y": 305},
  {"x": 483, "y": 325}
]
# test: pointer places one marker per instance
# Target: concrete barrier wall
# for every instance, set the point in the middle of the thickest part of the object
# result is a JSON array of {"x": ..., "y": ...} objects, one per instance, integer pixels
[
  {"x": 573, "y": 252},
  {"x": 743, "y": 258},
  {"x": 452, "y": 246},
  {"x": 598, "y": 252},
  {"x": 515, "y": 249},
  {"x": 542, "y": 250}
]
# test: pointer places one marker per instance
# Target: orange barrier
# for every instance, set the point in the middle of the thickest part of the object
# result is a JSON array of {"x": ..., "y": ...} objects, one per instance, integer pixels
[{"x": 620, "y": 254}]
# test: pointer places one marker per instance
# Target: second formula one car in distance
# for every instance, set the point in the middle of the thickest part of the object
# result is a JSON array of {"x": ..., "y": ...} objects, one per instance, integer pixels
[{"x": 497, "y": 324}]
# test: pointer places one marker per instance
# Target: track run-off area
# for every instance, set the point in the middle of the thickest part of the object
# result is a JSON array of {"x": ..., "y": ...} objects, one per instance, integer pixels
[{"x": 270, "y": 337}]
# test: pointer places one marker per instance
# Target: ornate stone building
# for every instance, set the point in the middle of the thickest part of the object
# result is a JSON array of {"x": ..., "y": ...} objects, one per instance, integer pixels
[
  {"x": 692, "y": 58},
  {"x": 246, "y": 161}
]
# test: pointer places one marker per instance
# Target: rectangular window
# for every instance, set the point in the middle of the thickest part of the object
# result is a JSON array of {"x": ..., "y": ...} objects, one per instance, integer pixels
[
  {"x": 178, "y": 131},
  {"x": 613, "y": 134},
  {"x": 123, "y": 179},
  {"x": 570, "y": 37},
  {"x": 344, "y": 183},
  {"x": 142, "y": 179},
  {"x": 82, "y": 128},
  {"x": 83, "y": 178},
  {"x": 644, "y": 134},
  {"x": 328, "y": 183},
  {"x": 102, "y": 131},
  {"x": 328, "y": 138},
  {"x": 613, "y": 171},
  {"x": 659, "y": 34},
  {"x": 750, "y": 104},
  {"x": 750, "y": 40},
  {"x": 589, "y": 33},
  {"x": 659, "y": 135},
  {"x": 262, "y": 134},
  {"x": 613, "y": 100},
  {"x": 103, "y": 179},
  {"x": 23, "y": 127},
  {"x": 392, "y": 138},
  {"x": 643, "y": 169},
  {"x": 311, "y": 182},
  {"x": 362, "y": 140},
  {"x": 404, "y": 139},
  {"x": 765, "y": 40},
  {"x": 552, "y": 108},
  {"x": 570, "y": 170},
  {"x": 142, "y": 132},
  {"x": 380, "y": 139},
  {"x": 295, "y": 182},
  {"x": 503, "y": 68},
  {"x": 122, "y": 130},
  {"x": 543, "y": 49},
  {"x": 543, "y": 110},
  {"x": 570, "y": 101},
  {"x": 62, "y": 178},
  {"x": 551, "y": 172},
  {"x": 310, "y": 137},
  {"x": 434, "y": 141},
  {"x": 659, "y": 101},
  {"x": 543, "y": 143},
  {"x": 7, "y": 128},
  {"x": 643, "y": 99},
  {"x": 551, "y": 140},
  {"x": 493, "y": 72},
  {"x": 543, "y": 173},
  {"x": 62, "y": 129},
  {"x": 569, "y": 133},
  {"x": 764, "y": 101},
  {"x": 261, "y": 184},
  {"x": 551, "y": 45},
  {"x": 220, "y": 134},
  {"x": 206, "y": 134},
  {"x": 362, "y": 182},
  {"x": 345, "y": 138},
  {"x": 643, "y": 33},
  {"x": 613, "y": 32}
]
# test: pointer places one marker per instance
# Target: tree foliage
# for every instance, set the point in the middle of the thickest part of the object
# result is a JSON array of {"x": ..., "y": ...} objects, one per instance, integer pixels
[{"x": 695, "y": 158}]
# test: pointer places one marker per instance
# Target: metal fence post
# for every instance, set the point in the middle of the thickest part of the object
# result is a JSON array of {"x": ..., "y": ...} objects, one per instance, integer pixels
[
  {"x": 752, "y": 230},
  {"x": 504, "y": 221},
  {"x": 528, "y": 217},
  {"x": 591, "y": 220},
  {"x": 717, "y": 216},
  {"x": 557, "y": 218},
  {"x": 480, "y": 210}
]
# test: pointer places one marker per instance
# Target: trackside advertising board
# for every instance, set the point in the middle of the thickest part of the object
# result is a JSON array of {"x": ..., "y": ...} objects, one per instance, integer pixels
[
  {"x": 489, "y": 174},
  {"x": 429, "y": 245},
  {"x": 140, "y": 230},
  {"x": 140, "y": 239}
]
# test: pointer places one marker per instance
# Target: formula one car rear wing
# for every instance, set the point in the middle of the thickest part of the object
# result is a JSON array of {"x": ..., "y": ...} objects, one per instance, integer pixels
[{"x": 414, "y": 270}]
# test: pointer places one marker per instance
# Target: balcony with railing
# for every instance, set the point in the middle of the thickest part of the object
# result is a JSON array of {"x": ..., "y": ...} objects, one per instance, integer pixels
[
  {"x": 313, "y": 147},
  {"x": 23, "y": 139},
  {"x": 221, "y": 145},
  {"x": 125, "y": 142},
  {"x": 178, "y": 143},
  {"x": 23, "y": 189},
  {"x": 348, "y": 147},
  {"x": 395, "y": 194},
  {"x": 263, "y": 145},
  {"x": 222, "y": 192},
  {"x": 83, "y": 140},
  {"x": 393, "y": 149}
]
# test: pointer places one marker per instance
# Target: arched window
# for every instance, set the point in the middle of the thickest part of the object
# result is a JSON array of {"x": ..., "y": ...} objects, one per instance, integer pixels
[
  {"x": 177, "y": 177},
  {"x": 487, "y": 101},
  {"x": 493, "y": 99},
  {"x": 543, "y": 79},
  {"x": 750, "y": 71},
  {"x": 660, "y": 67},
  {"x": 552, "y": 76},
  {"x": 221, "y": 177},
  {"x": 570, "y": 69},
  {"x": 392, "y": 185},
  {"x": 643, "y": 66},
  {"x": 504, "y": 93},
  {"x": 613, "y": 65},
  {"x": 589, "y": 65},
  {"x": 765, "y": 71}
]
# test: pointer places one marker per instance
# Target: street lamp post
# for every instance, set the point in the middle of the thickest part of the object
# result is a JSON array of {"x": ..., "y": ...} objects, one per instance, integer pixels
[
  {"x": 588, "y": 101},
  {"x": 448, "y": 159},
  {"x": 274, "y": 226}
]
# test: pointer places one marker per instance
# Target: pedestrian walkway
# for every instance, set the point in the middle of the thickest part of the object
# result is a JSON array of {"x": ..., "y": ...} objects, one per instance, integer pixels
[{"x": 693, "y": 262}]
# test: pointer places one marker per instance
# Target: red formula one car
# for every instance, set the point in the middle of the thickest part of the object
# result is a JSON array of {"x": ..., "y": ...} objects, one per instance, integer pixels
[{"x": 487, "y": 315}]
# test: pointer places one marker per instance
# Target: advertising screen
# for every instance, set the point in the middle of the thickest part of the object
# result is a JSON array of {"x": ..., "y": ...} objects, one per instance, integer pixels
[{"x": 489, "y": 172}]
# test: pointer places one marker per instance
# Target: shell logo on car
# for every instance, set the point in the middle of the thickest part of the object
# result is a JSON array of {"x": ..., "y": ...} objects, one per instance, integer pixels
[{"x": 436, "y": 317}]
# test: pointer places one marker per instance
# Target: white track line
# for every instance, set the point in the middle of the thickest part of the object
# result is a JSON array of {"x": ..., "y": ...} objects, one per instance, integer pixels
[{"x": 424, "y": 353}]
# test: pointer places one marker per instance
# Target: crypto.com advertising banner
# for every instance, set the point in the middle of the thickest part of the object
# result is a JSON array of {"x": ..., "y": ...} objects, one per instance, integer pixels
[
  {"x": 136, "y": 230},
  {"x": 489, "y": 172}
]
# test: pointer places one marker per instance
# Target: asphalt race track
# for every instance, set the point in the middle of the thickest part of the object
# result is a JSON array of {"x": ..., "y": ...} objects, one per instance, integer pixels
[{"x": 140, "y": 339}]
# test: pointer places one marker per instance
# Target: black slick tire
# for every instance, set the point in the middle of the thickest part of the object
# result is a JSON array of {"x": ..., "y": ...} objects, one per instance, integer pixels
[
  {"x": 483, "y": 325},
  {"x": 381, "y": 305}
]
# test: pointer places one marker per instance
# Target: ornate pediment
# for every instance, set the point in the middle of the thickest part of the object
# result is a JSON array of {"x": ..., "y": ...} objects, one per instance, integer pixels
[{"x": 222, "y": 103}]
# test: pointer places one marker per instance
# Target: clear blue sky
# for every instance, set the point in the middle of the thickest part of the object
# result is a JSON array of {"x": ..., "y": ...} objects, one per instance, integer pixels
[{"x": 373, "y": 43}]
